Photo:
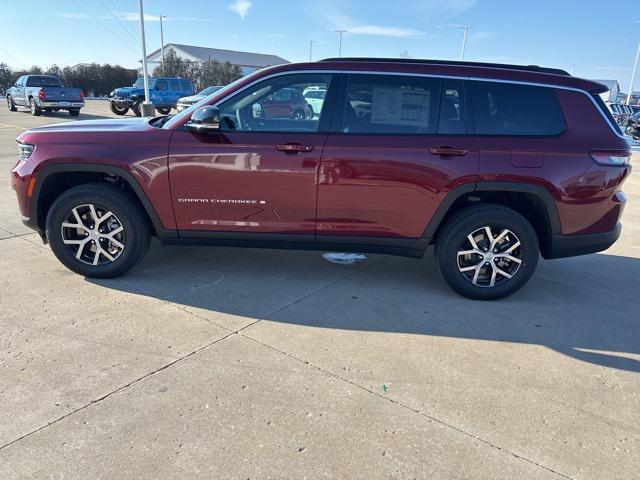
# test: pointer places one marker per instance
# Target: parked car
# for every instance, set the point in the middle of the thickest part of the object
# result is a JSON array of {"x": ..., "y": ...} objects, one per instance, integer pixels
[
  {"x": 314, "y": 96},
  {"x": 163, "y": 94},
  {"x": 492, "y": 164},
  {"x": 620, "y": 112},
  {"x": 633, "y": 125},
  {"x": 284, "y": 103},
  {"x": 46, "y": 93},
  {"x": 186, "y": 102}
]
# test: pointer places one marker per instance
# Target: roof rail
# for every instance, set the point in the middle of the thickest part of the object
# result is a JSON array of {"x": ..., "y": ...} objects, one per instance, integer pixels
[{"x": 525, "y": 68}]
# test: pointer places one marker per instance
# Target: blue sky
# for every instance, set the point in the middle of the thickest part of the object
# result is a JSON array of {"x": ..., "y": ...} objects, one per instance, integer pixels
[{"x": 592, "y": 36}]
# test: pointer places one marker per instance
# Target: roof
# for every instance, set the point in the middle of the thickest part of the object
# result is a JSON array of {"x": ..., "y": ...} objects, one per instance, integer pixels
[
  {"x": 246, "y": 59},
  {"x": 526, "y": 68}
]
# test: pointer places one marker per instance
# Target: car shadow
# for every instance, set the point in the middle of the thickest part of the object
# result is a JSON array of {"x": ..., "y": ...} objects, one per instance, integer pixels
[
  {"x": 63, "y": 114},
  {"x": 585, "y": 307}
]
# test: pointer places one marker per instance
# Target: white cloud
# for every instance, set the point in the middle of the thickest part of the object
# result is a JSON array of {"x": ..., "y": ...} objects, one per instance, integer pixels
[
  {"x": 383, "y": 31},
  {"x": 135, "y": 17},
  {"x": 241, "y": 7}
]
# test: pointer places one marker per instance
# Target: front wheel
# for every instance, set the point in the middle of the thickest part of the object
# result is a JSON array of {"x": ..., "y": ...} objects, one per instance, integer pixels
[
  {"x": 98, "y": 230},
  {"x": 118, "y": 110},
  {"x": 35, "y": 109},
  {"x": 487, "y": 252},
  {"x": 10, "y": 104},
  {"x": 163, "y": 111}
]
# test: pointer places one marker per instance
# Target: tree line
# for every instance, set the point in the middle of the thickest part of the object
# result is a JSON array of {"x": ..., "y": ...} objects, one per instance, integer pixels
[{"x": 99, "y": 80}]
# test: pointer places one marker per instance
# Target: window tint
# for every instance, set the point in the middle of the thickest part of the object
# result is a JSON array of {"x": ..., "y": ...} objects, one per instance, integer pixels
[
  {"x": 186, "y": 86},
  {"x": 175, "y": 85},
  {"x": 275, "y": 105},
  {"x": 161, "y": 84},
  {"x": 42, "y": 81},
  {"x": 512, "y": 109},
  {"x": 391, "y": 104},
  {"x": 452, "y": 119}
]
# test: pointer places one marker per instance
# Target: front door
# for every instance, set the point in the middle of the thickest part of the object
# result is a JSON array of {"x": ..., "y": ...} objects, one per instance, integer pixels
[
  {"x": 258, "y": 174},
  {"x": 399, "y": 145}
]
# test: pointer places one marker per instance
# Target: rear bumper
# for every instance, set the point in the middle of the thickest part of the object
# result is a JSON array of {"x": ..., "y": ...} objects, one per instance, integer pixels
[
  {"x": 574, "y": 245},
  {"x": 61, "y": 104}
]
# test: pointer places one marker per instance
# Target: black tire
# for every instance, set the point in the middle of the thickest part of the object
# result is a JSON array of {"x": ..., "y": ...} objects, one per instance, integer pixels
[
  {"x": 135, "y": 108},
  {"x": 298, "y": 114},
  {"x": 453, "y": 238},
  {"x": 118, "y": 110},
  {"x": 163, "y": 111},
  {"x": 128, "y": 213},
  {"x": 36, "y": 111},
  {"x": 10, "y": 104},
  {"x": 74, "y": 112},
  {"x": 311, "y": 112}
]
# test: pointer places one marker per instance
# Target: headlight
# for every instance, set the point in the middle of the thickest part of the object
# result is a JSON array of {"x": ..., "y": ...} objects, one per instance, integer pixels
[
  {"x": 25, "y": 150},
  {"x": 112, "y": 93}
]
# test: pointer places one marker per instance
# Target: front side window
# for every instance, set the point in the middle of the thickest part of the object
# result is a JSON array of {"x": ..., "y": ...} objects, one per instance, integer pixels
[
  {"x": 275, "y": 105},
  {"x": 514, "y": 109},
  {"x": 161, "y": 85},
  {"x": 383, "y": 104}
]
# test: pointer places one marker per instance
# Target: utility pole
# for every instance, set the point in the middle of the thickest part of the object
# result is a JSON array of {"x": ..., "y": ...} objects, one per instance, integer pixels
[
  {"x": 162, "y": 42},
  {"x": 466, "y": 28},
  {"x": 147, "y": 106},
  {"x": 311, "y": 42},
  {"x": 633, "y": 75},
  {"x": 340, "y": 31}
]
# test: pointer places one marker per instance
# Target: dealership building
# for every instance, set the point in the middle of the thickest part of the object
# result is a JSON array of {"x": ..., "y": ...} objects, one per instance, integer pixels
[{"x": 247, "y": 61}]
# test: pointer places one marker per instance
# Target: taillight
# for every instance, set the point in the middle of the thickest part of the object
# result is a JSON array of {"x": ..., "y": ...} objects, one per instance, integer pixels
[
  {"x": 613, "y": 158},
  {"x": 42, "y": 94},
  {"x": 81, "y": 95}
]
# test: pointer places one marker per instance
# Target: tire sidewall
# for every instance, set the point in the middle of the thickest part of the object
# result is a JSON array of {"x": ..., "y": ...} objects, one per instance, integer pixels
[
  {"x": 452, "y": 239},
  {"x": 136, "y": 238}
]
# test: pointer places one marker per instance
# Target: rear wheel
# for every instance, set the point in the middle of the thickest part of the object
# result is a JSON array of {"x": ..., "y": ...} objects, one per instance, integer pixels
[
  {"x": 98, "y": 230},
  {"x": 118, "y": 110},
  {"x": 163, "y": 111},
  {"x": 299, "y": 114},
  {"x": 10, "y": 104},
  {"x": 35, "y": 109},
  {"x": 487, "y": 252},
  {"x": 74, "y": 112},
  {"x": 135, "y": 108}
]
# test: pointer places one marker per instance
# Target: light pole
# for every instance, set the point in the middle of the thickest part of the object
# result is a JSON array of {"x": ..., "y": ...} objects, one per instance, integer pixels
[
  {"x": 162, "y": 42},
  {"x": 311, "y": 42},
  {"x": 466, "y": 28},
  {"x": 147, "y": 106},
  {"x": 340, "y": 32},
  {"x": 633, "y": 75}
]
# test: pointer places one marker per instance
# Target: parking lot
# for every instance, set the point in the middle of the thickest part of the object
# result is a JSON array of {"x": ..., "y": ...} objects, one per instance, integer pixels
[{"x": 209, "y": 362}]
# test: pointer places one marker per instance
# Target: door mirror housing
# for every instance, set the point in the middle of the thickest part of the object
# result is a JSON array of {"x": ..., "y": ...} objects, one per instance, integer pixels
[{"x": 205, "y": 120}]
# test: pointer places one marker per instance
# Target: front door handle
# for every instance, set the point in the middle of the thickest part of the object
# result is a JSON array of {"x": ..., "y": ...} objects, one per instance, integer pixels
[
  {"x": 448, "y": 151},
  {"x": 294, "y": 148}
]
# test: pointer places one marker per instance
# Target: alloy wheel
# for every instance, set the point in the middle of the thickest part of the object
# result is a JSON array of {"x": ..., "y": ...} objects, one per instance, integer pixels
[
  {"x": 490, "y": 256},
  {"x": 95, "y": 234}
]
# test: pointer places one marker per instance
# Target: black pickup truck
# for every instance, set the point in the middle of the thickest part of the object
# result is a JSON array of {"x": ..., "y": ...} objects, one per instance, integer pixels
[{"x": 44, "y": 92}]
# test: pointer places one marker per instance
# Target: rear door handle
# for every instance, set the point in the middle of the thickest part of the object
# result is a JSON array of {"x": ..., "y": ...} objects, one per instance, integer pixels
[
  {"x": 294, "y": 148},
  {"x": 448, "y": 151}
]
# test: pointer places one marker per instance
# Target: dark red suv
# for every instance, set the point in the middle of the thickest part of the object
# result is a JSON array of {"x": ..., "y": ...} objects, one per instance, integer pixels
[{"x": 493, "y": 164}]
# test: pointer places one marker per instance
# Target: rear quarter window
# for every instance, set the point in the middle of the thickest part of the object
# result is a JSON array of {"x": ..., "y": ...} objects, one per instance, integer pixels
[{"x": 508, "y": 109}]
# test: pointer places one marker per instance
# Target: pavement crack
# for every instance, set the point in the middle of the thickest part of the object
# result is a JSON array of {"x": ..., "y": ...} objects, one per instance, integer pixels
[{"x": 408, "y": 407}]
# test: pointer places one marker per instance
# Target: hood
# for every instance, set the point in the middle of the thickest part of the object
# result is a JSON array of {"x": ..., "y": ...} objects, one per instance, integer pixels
[
  {"x": 127, "y": 91},
  {"x": 55, "y": 133},
  {"x": 191, "y": 99}
]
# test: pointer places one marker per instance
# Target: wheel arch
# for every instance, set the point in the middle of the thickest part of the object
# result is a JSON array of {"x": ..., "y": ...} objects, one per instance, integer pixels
[
  {"x": 533, "y": 202},
  {"x": 53, "y": 180}
]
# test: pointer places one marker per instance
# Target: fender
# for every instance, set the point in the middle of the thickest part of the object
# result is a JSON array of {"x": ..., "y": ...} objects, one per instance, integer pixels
[
  {"x": 43, "y": 173},
  {"x": 540, "y": 192}
]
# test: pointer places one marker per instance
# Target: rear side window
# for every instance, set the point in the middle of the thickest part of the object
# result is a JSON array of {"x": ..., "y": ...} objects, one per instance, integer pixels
[
  {"x": 175, "y": 85},
  {"x": 513, "y": 109},
  {"x": 606, "y": 112},
  {"x": 392, "y": 104},
  {"x": 453, "y": 115},
  {"x": 161, "y": 85},
  {"x": 186, "y": 86}
]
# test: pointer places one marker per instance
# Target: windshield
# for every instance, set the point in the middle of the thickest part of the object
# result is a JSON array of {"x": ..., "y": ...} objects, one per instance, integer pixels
[
  {"x": 42, "y": 81},
  {"x": 209, "y": 90},
  {"x": 187, "y": 113}
]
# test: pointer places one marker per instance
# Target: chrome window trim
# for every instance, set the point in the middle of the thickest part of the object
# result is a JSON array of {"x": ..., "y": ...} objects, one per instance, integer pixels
[{"x": 430, "y": 75}]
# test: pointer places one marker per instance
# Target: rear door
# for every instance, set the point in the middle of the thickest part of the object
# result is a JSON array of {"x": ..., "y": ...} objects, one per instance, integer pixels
[
  {"x": 398, "y": 145},
  {"x": 258, "y": 174}
]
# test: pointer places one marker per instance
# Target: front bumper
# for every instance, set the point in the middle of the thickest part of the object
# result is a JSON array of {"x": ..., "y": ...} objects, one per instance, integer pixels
[
  {"x": 121, "y": 102},
  {"x": 61, "y": 104}
]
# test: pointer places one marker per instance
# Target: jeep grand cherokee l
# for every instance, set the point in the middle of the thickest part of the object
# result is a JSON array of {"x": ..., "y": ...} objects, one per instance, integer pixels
[{"x": 493, "y": 164}]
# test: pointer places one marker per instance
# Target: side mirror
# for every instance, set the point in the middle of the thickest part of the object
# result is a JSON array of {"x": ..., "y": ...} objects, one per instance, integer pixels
[{"x": 205, "y": 120}]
